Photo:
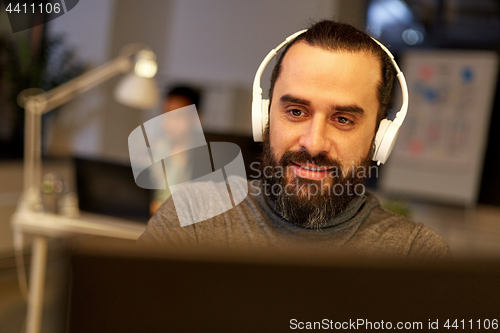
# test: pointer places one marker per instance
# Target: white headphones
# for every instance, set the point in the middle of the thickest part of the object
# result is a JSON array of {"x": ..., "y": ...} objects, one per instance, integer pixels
[{"x": 387, "y": 131}]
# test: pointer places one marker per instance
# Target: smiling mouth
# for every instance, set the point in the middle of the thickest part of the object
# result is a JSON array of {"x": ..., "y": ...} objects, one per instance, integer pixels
[{"x": 310, "y": 170}]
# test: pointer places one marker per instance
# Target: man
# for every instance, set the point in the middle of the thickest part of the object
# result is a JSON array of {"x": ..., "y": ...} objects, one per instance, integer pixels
[
  {"x": 175, "y": 132},
  {"x": 329, "y": 90}
]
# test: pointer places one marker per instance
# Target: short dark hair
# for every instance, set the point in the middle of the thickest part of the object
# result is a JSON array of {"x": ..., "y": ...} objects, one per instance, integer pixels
[
  {"x": 190, "y": 93},
  {"x": 336, "y": 36}
]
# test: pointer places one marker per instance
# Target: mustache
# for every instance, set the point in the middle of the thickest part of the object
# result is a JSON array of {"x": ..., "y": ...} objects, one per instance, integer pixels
[{"x": 302, "y": 156}]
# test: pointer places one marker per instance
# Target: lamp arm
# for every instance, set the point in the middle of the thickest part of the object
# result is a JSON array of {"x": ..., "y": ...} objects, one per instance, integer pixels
[
  {"x": 38, "y": 105},
  {"x": 51, "y": 99},
  {"x": 47, "y": 101},
  {"x": 71, "y": 89}
]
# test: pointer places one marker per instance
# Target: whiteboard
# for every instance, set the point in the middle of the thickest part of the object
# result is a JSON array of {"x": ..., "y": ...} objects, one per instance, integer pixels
[{"x": 440, "y": 149}]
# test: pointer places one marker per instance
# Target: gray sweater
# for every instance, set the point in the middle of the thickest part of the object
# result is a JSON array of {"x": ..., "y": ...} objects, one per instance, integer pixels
[{"x": 364, "y": 227}]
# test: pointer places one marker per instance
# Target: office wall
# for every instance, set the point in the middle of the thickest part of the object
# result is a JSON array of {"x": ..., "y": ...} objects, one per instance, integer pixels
[
  {"x": 217, "y": 44},
  {"x": 94, "y": 124},
  {"x": 134, "y": 21},
  {"x": 79, "y": 125},
  {"x": 226, "y": 40}
]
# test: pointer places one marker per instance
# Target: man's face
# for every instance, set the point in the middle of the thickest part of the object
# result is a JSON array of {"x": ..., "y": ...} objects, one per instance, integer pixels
[
  {"x": 322, "y": 119},
  {"x": 177, "y": 126},
  {"x": 324, "y": 102}
]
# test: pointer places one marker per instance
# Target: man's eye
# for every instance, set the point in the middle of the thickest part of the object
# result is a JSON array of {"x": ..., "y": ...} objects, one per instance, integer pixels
[
  {"x": 295, "y": 112},
  {"x": 344, "y": 120}
]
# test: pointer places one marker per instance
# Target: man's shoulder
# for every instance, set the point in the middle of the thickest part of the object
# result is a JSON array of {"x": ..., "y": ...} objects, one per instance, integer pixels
[
  {"x": 198, "y": 201},
  {"x": 209, "y": 187},
  {"x": 381, "y": 220},
  {"x": 202, "y": 212},
  {"x": 394, "y": 230}
]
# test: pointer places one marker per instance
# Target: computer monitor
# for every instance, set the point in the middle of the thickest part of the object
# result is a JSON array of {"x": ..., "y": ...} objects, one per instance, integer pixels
[
  {"x": 183, "y": 290},
  {"x": 108, "y": 188}
]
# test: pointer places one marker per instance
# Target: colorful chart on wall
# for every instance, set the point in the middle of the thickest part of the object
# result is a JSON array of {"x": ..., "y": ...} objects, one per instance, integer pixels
[{"x": 440, "y": 149}]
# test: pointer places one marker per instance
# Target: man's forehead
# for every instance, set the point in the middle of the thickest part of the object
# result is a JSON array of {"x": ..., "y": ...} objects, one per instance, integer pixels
[
  {"x": 312, "y": 68},
  {"x": 306, "y": 54}
]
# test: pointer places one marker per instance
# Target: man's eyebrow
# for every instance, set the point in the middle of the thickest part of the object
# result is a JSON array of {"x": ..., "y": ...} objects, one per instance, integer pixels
[
  {"x": 291, "y": 99},
  {"x": 342, "y": 108},
  {"x": 350, "y": 109}
]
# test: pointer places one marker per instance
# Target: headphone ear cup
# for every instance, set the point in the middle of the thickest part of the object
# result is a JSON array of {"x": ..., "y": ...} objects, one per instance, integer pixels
[
  {"x": 265, "y": 114},
  {"x": 385, "y": 140},
  {"x": 257, "y": 118},
  {"x": 260, "y": 117}
]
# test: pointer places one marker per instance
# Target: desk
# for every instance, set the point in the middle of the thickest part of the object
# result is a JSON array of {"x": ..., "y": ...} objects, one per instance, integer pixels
[
  {"x": 44, "y": 225},
  {"x": 53, "y": 225}
]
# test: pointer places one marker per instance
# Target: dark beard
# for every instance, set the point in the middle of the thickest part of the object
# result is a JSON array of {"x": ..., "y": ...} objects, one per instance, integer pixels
[{"x": 307, "y": 202}]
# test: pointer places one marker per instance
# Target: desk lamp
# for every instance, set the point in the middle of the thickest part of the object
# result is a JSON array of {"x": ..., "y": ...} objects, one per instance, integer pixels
[{"x": 137, "y": 90}]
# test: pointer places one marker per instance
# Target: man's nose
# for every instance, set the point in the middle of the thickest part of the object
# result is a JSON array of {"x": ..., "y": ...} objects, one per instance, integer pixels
[{"x": 315, "y": 137}]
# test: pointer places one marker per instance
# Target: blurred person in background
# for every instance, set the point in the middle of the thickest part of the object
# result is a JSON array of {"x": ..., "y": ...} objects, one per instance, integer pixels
[{"x": 177, "y": 131}]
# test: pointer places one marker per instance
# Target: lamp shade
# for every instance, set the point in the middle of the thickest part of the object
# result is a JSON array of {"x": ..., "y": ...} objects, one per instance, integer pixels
[{"x": 137, "y": 92}]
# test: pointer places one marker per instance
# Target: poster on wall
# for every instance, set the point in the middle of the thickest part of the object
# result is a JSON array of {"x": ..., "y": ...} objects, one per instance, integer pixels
[{"x": 440, "y": 149}]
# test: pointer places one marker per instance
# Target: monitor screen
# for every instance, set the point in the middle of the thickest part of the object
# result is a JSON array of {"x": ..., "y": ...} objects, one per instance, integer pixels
[
  {"x": 109, "y": 188},
  {"x": 183, "y": 290}
]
